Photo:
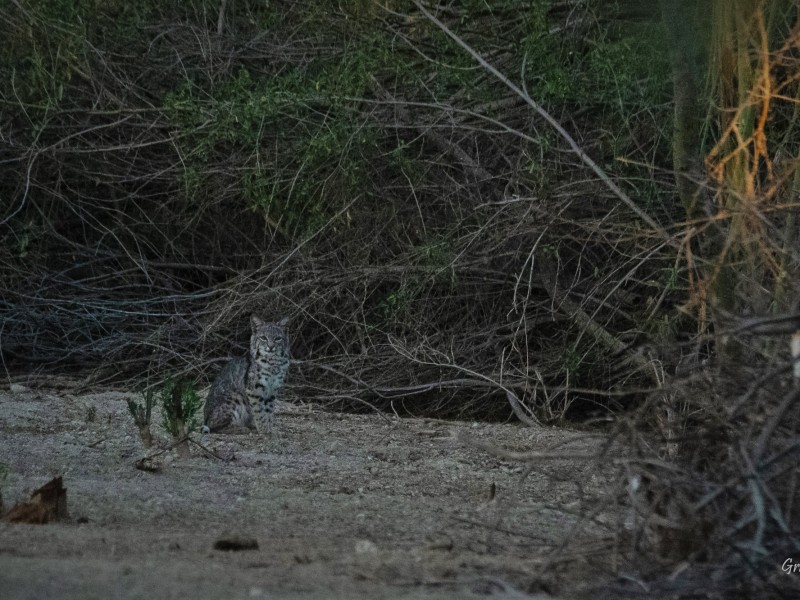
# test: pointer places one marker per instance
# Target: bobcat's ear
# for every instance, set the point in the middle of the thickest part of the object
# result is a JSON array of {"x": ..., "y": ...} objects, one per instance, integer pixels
[
  {"x": 284, "y": 322},
  {"x": 255, "y": 322}
]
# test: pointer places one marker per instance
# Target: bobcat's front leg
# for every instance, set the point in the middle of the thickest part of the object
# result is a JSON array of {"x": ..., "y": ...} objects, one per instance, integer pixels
[{"x": 263, "y": 414}]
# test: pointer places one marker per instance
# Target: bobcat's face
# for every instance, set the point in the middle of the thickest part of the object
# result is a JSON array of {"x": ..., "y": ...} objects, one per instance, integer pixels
[{"x": 268, "y": 338}]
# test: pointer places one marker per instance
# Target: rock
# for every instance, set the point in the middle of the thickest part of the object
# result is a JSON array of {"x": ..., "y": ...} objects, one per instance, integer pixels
[
  {"x": 236, "y": 544},
  {"x": 366, "y": 547}
]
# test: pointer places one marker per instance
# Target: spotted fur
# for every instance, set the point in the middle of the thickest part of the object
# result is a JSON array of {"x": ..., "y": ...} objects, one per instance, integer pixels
[{"x": 244, "y": 393}]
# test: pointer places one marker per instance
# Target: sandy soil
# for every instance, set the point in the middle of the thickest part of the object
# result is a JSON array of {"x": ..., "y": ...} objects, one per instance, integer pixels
[{"x": 342, "y": 506}]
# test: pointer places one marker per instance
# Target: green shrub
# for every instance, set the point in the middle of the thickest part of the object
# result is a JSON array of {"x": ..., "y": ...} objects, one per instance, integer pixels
[{"x": 179, "y": 403}]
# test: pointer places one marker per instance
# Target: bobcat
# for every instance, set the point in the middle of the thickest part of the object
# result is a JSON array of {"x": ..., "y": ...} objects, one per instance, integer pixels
[{"x": 243, "y": 394}]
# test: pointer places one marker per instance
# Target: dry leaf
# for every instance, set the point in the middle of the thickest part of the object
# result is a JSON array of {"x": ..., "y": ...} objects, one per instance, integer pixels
[{"x": 48, "y": 503}]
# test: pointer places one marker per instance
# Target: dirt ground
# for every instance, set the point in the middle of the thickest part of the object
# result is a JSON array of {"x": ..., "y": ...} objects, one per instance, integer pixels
[{"x": 341, "y": 506}]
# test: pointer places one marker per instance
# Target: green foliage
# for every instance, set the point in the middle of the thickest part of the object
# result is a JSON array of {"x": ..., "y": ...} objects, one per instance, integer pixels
[
  {"x": 304, "y": 148},
  {"x": 434, "y": 259},
  {"x": 38, "y": 63},
  {"x": 22, "y": 239},
  {"x": 395, "y": 304},
  {"x": 571, "y": 361},
  {"x": 141, "y": 413},
  {"x": 670, "y": 278},
  {"x": 548, "y": 74},
  {"x": 400, "y": 158},
  {"x": 437, "y": 256},
  {"x": 47, "y": 52},
  {"x": 630, "y": 71},
  {"x": 662, "y": 329},
  {"x": 624, "y": 69},
  {"x": 621, "y": 75},
  {"x": 190, "y": 403},
  {"x": 322, "y": 157}
]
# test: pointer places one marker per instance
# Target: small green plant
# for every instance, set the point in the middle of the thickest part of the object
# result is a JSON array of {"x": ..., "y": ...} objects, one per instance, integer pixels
[
  {"x": 179, "y": 405},
  {"x": 141, "y": 414},
  {"x": 571, "y": 361},
  {"x": 179, "y": 402},
  {"x": 394, "y": 303}
]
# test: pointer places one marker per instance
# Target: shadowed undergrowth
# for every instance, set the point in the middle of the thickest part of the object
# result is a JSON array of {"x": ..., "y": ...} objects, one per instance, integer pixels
[{"x": 439, "y": 246}]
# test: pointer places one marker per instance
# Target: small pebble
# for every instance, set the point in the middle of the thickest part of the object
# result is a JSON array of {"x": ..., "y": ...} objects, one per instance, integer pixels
[{"x": 236, "y": 544}]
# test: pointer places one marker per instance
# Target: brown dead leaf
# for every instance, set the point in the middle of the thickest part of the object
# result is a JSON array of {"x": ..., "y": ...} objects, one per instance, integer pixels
[
  {"x": 48, "y": 503},
  {"x": 28, "y": 512},
  {"x": 150, "y": 464}
]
